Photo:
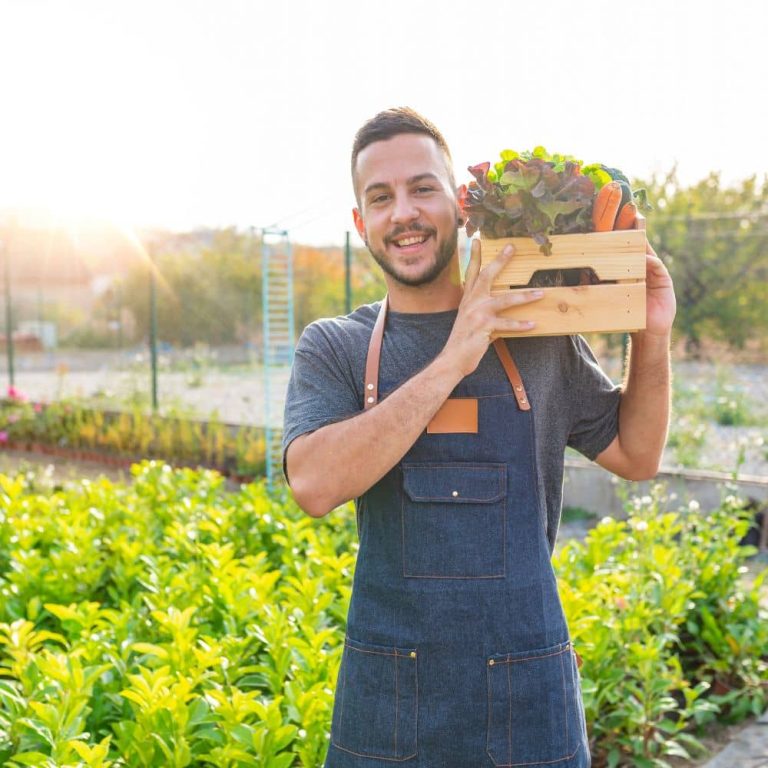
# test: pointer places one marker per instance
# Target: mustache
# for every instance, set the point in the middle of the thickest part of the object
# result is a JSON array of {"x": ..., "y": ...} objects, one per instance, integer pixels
[{"x": 411, "y": 228}]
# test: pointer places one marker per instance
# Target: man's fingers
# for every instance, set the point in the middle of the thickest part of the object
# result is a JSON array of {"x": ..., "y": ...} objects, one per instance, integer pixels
[
  {"x": 491, "y": 271},
  {"x": 473, "y": 268},
  {"x": 507, "y": 325},
  {"x": 502, "y": 301}
]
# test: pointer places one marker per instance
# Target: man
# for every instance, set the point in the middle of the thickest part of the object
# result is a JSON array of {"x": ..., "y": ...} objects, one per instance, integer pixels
[{"x": 457, "y": 653}]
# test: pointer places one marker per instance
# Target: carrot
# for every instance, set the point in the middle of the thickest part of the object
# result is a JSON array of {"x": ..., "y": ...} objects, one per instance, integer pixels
[
  {"x": 606, "y": 206},
  {"x": 627, "y": 216}
]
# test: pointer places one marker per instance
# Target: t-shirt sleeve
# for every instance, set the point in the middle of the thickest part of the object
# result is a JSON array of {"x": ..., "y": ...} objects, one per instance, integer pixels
[
  {"x": 320, "y": 390},
  {"x": 594, "y": 405}
]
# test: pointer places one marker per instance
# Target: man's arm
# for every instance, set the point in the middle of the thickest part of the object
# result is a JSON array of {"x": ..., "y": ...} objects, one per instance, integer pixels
[
  {"x": 636, "y": 452},
  {"x": 341, "y": 461}
]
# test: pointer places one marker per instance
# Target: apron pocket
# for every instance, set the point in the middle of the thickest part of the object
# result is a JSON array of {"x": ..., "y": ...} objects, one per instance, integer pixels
[
  {"x": 376, "y": 704},
  {"x": 453, "y": 520},
  {"x": 533, "y": 707}
]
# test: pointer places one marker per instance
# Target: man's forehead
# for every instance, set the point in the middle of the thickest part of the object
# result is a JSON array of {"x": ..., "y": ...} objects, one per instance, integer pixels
[{"x": 401, "y": 158}]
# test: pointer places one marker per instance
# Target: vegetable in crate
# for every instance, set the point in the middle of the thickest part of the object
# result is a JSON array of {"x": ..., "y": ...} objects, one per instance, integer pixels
[{"x": 535, "y": 194}]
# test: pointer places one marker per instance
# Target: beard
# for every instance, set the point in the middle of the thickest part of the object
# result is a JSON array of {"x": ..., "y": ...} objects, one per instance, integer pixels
[{"x": 445, "y": 250}]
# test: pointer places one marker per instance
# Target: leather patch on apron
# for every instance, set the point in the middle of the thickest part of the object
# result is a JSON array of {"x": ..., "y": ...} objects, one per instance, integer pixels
[{"x": 456, "y": 415}]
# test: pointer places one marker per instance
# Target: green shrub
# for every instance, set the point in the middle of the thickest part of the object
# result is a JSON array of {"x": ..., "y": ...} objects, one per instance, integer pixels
[
  {"x": 173, "y": 623},
  {"x": 657, "y": 609},
  {"x": 72, "y": 424}
]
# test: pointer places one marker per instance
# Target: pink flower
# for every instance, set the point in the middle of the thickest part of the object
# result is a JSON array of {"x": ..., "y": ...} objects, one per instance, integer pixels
[
  {"x": 15, "y": 394},
  {"x": 13, "y": 418},
  {"x": 38, "y": 407},
  {"x": 3, "y": 437}
]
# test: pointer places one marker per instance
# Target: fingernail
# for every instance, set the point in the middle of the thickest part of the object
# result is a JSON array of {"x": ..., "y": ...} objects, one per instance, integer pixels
[
  {"x": 508, "y": 249},
  {"x": 537, "y": 294}
]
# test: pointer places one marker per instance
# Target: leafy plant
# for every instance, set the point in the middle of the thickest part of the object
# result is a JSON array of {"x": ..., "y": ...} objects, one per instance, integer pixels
[
  {"x": 533, "y": 194},
  {"x": 204, "y": 628}
]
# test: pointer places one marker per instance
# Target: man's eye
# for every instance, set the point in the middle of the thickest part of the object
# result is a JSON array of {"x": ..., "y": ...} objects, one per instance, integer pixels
[
  {"x": 424, "y": 190},
  {"x": 379, "y": 199}
]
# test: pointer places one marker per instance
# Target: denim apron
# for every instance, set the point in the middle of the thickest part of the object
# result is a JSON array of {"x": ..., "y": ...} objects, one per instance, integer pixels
[{"x": 457, "y": 653}]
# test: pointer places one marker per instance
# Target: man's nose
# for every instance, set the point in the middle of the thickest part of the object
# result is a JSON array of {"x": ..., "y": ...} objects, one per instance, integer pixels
[{"x": 404, "y": 209}]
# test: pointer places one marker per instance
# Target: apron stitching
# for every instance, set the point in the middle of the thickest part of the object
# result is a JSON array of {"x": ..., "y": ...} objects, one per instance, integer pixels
[
  {"x": 377, "y": 757},
  {"x": 490, "y": 710},
  {"x": 544, "y": 762},
  {"x": 494, "y": 576},
  {"x": 498, "y": 466},
  {"x": 378, "y": 653},
  {"x": 417, "y": 705},
  {"x": 343, "y": 690},
  {"x": 509, "y": 698},
  {"x": 565, "y": 701},
  {"x": 529, "y": 658},
  {"x": 461, "y": 500},
  {"x": 397, "y": 702}
]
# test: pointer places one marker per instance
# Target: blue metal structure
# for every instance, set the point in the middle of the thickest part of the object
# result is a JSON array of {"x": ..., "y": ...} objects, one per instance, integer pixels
[{"x": 278, "y": 340}]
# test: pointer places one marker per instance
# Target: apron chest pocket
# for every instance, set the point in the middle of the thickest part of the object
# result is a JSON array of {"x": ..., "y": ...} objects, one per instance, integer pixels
[
  {"x": 454, "y": 520},
  {"x": 533, "y": 707},
  {"x": 376, "y": 705}
]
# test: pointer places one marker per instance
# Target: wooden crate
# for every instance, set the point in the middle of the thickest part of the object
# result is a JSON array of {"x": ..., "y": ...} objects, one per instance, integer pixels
[{"x": 616, "y": 304}]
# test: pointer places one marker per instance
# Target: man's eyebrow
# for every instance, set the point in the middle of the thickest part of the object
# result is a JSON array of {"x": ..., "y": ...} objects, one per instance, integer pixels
[{"x": 412, "y": 180}]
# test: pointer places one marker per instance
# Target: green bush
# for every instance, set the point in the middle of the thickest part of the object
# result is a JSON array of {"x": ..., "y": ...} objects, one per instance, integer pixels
[
  {"x": 658, "y": 610},
  {"x": 130, "y": 433},
  {"x": 173, "y": 623}
]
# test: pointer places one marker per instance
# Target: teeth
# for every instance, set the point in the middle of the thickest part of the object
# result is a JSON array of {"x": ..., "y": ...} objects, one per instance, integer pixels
[{"x": 410, "y": 241}]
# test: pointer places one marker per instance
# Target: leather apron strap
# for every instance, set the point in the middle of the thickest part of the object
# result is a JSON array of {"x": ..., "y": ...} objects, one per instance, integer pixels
[{"x": 371, "y": 396}]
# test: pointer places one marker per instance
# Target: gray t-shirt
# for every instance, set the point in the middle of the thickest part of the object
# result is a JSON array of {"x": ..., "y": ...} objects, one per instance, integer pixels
[{"x": 573, "y": 402}]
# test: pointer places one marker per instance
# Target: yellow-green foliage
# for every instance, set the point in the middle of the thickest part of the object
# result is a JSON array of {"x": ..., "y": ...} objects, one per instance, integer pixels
[{"x": 174, "y": 623}]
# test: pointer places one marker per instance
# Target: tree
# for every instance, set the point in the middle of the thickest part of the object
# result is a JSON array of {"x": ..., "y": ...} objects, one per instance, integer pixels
[
  {"x": 205, "y": 293},
  {"x": 714, "y": 240}
]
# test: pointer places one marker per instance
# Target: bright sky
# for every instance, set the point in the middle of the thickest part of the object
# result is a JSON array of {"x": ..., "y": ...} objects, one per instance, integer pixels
[{"x": 184, "y": 113}]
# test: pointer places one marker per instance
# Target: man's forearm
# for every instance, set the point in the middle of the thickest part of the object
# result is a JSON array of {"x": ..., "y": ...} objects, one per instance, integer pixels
[
  {"x": 343, "y": 460},
  {"x": 645, "y": 402}
]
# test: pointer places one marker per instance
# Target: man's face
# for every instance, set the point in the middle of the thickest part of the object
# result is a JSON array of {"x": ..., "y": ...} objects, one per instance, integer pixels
[{"x": 408, "y": 214}]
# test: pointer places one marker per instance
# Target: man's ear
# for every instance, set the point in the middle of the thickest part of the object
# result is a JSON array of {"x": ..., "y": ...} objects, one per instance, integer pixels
[{"x": 359, "y": 224}]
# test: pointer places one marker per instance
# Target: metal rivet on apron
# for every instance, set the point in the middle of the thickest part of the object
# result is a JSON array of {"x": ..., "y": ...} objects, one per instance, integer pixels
[
  {"x": 455, "y": 493},
  {"x": 491, "y": 663},
  {"x": 413, "y": 654},
  {"x": 370, "y": 399},
  {"x": 370, "y": 386},
  {"x": 523, "y": 400},
  {"x": 519, "y": 389}
]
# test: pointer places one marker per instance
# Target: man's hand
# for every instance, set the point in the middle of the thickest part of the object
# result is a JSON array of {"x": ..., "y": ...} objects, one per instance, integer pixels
[
  {"x": 660, "y": 304},
  {"x": 479, "y": 317}
]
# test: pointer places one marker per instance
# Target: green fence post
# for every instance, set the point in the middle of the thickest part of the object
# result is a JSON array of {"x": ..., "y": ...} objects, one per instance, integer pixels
[
  {"x": 347, "y": 275},
  {"x": 8, "y": 312},
  {"x": 153, "y": 324}
]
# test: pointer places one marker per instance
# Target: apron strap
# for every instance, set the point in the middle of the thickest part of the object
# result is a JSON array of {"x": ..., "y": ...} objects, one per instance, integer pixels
[
  {"x": 371, "y": 395},
  {"x": 502, "y": 350}
]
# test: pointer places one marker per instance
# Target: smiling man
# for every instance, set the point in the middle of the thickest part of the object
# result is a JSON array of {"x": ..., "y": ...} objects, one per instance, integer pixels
[{"x": 457, "y": 652}]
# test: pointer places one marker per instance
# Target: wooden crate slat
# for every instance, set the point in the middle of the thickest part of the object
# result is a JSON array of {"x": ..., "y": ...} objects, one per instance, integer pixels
[
  {"x": 612, "y": 255},
  {"x": 564, "y": 310}
]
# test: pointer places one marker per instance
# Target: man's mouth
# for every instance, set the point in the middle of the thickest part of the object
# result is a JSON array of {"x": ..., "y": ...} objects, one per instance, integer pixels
[{"x": 411, "y": 240}]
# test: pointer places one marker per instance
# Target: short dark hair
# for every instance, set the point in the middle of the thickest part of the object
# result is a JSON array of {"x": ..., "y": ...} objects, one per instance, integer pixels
[{"x": 392, "y": 122}]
